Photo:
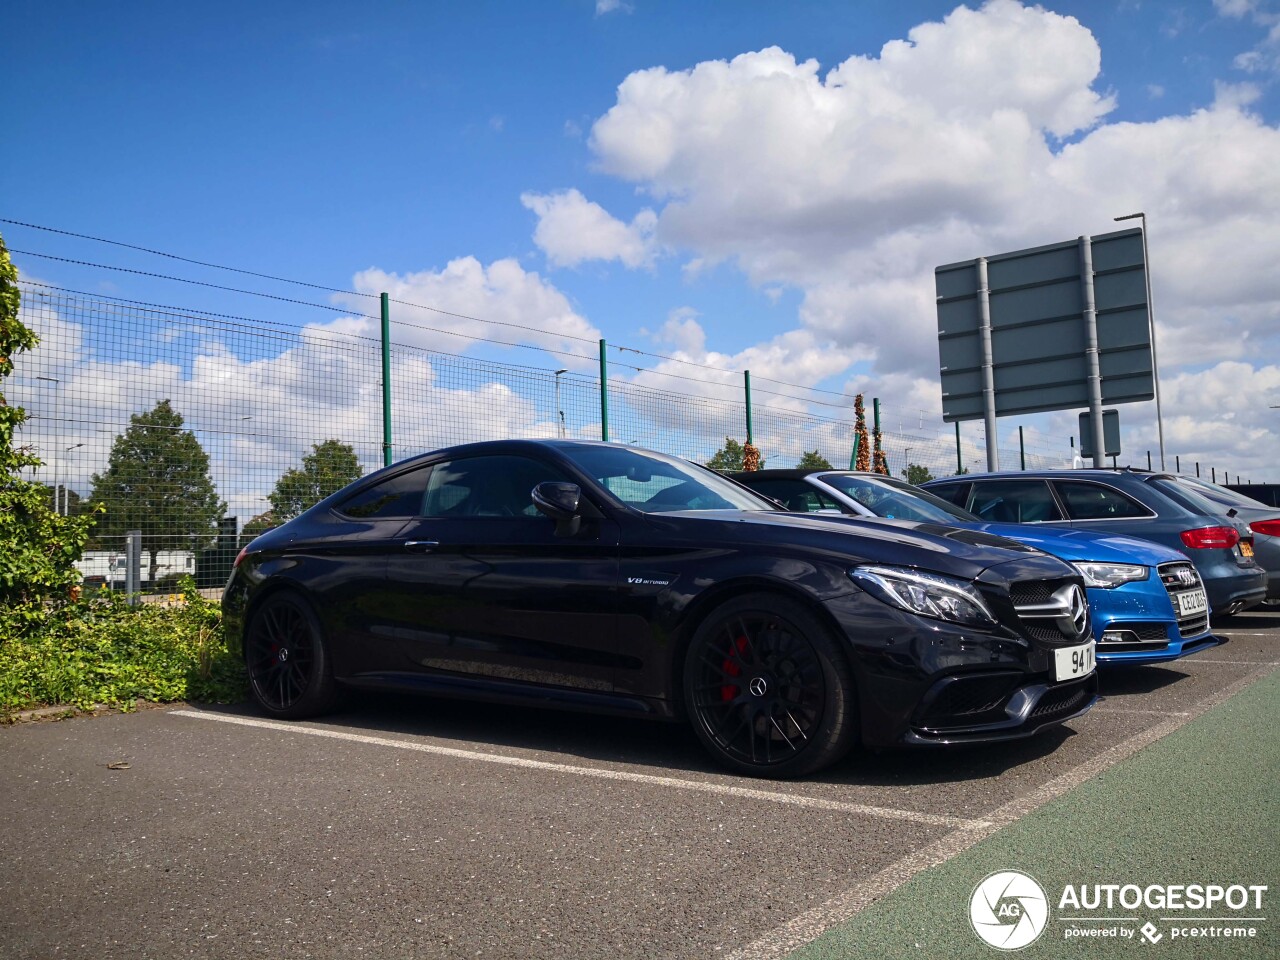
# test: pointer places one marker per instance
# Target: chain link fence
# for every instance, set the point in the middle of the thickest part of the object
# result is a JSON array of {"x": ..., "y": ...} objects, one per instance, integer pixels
[{"x": 200, "y": 430}]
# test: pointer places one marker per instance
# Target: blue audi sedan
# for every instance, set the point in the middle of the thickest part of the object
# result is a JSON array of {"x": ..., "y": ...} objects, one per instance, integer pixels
[{"x": 1147, "y": 601}]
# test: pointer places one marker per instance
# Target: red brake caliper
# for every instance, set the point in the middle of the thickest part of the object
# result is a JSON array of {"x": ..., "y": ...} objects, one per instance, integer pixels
[{"x": 731, "y": 668}]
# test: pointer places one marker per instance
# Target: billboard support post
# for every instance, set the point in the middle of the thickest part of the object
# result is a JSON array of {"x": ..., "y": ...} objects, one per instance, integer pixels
[
  {"x": 988, "y": 368},
  {"x": 1091, "y": 348}
]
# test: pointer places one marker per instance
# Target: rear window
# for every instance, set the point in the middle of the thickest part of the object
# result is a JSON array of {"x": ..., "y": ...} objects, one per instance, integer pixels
[
  {"x": 1187, "y": 498},
  {"x": 398, "y": 496}
]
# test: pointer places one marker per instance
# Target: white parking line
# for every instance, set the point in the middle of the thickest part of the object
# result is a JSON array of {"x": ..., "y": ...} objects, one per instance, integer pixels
[
  {"x": 722, "y": 789},
  {"x": 810, "y": 925},
  {"x": 1192, "y": 661}
]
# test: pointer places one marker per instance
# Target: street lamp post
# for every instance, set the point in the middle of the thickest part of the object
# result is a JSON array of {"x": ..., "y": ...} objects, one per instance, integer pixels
[
  {"x": 66, "y": 500},
  {"x": 1151, "y": 328},
  {"x": 559, "y": 411}
]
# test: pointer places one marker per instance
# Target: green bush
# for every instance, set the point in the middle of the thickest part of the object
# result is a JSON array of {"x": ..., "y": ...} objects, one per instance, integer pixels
[{"x": 103, "y": 651}]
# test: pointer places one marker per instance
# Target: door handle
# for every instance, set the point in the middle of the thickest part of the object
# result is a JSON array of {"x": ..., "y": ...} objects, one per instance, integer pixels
[{"x": 421, "y": 546}]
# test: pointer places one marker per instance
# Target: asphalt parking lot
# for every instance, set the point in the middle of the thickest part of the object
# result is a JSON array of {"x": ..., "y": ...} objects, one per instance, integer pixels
[{"x": 438, "y": 829}]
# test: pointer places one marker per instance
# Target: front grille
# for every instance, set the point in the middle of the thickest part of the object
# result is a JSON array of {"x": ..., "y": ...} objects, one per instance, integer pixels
[
  {"x": 1035, "y": 591},
  {"x": 1177, "y": 577},
  {"x": 1064, "y": 700},
  {"x": 1042, "y": 633},
  {"x": 1045, "y": 613}
]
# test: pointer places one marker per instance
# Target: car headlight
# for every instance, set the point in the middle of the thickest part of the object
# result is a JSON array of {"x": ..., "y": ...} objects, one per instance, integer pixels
[
  {"x": 928, "y": 594},
  {"x": 1109, "y": 575}
]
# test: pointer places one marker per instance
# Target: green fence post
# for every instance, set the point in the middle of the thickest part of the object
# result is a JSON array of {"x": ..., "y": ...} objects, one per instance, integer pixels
[
  {"x": 959, "y": 458},
  {"x": 386, "y": 381},
  {"x": 1022, "y": 449},
  {"x": 746, "y": 379},
  {"x": 604, "y": 392},
  {"x": 853, "y": 457},
  {"x": 877, "y": 436}
]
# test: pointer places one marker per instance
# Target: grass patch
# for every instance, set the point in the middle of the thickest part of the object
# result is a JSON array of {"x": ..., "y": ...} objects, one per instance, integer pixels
[{"x": 103, "y": 651}]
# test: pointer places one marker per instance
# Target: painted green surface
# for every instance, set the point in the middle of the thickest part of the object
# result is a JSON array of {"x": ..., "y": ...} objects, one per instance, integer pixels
[{"x": 1199, "y": 806}]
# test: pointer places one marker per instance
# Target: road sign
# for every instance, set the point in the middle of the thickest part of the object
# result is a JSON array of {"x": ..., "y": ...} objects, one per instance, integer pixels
[{"x": 1110, "y": 434}]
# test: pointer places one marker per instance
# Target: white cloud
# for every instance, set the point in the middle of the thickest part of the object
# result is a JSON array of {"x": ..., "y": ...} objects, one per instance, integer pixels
[
  {"x": 572, "y": 229},
  {"x": 1235, "y": 8},
  {"x": 502, "y": 302},
  {"x": 981, "y": 133},
  {"x": 1265, "y": 55},
  {"x": 612, "y": 6}
]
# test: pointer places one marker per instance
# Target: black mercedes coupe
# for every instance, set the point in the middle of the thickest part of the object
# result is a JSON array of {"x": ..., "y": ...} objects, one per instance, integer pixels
[{"x": 608, "y": 578}]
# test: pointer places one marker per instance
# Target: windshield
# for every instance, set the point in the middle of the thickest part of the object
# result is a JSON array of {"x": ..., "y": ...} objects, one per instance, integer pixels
[
  {"x": 656, "y": 483},
  {"x": 893, "y": 499}
]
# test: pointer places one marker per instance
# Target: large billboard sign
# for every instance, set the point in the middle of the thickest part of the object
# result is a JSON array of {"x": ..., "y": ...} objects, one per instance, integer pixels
[{"x": 1026, "y": 332}]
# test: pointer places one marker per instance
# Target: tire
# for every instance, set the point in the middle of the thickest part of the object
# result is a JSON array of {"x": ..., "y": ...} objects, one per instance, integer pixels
[
  {"x": 768, "y": 690},
  {"x": 290, "y": 674}
]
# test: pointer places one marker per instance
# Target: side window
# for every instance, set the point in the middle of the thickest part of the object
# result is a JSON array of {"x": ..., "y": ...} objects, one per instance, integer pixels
[
  {"x": 398, "y": 496},
  {"x": 796, "y": 495},
  {"x": 1093, "y": 501},
  {"x": 486, "y": 487},
  {"x": 1014, "y": 501},
  {"x": 957, "y": 493}
]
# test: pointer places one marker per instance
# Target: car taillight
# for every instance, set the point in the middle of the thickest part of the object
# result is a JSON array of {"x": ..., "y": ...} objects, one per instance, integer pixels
[
  {"x": 240, "y": 556},
  {"x": 1204, "y": 538},
  {"x": 1270, "y": 528}
]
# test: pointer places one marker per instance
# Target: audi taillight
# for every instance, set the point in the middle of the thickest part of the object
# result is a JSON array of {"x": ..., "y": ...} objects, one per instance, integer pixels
[
  {"x": 1206, "y": 538},
  {"x": 1270, "y": 528}
]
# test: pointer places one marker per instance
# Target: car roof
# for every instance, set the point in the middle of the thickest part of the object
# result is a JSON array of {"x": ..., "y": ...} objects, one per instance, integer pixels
[
  {"x": 796, "y": 473},
  {"x": 1086, "y": 473}
]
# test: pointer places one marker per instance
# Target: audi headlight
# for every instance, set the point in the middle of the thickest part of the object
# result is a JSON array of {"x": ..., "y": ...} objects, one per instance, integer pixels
[
  {"x": 927, "y": 594},
  {"x": 1109, "y": 575}
]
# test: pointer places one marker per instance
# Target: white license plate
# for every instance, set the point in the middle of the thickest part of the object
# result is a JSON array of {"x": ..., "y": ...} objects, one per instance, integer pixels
[
  {"x": 1191, "y": 601},
  {"x": 1072, "y": 662}
]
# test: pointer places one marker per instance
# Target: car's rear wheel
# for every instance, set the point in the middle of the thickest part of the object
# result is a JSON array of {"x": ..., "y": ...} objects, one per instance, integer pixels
[
  {"x": 287, "y": 660},
  {"x": 768, "y": 690}
]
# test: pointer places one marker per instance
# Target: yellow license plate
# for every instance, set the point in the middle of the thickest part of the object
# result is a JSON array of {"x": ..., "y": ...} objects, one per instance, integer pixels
[{"x": 1246, "y": 548}]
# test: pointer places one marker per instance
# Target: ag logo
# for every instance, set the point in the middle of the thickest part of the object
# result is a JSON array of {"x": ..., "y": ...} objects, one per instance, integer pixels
[{"x": 1008, "y": 910}]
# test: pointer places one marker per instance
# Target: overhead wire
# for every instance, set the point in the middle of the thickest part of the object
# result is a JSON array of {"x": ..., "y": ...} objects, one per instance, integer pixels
[{"x": 438, "y": 310}]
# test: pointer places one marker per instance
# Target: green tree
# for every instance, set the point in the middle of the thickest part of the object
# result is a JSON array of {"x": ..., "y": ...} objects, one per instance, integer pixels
[
  {"x": 917, "y": 474},
  {"x": 728, "y": 457},
  {"x": 37, "y": 547},
  {"x": 258, "y": 526},
  {"x": 812, "y": 460},
  {"x": 157, "y": 481},
  {"x": 328, "y": 468}
]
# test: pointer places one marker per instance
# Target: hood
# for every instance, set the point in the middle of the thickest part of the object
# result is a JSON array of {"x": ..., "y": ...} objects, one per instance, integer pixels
[
  {"x": 955, "y": 551},
  {"x": 1085, "y": 545}
]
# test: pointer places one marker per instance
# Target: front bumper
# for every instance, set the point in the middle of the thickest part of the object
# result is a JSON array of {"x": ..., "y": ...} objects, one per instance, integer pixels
[
  {"x": 1141, "y": 615},
  {"x": 928, "y": 683}
]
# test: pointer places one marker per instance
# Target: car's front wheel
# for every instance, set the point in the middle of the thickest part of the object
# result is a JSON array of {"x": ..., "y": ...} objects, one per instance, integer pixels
[
  {"x": 768, "y": 690},
  {"x": 287, "y": 660}
]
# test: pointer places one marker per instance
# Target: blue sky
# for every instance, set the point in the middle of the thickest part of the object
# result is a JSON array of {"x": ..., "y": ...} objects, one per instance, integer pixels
[{"x": 319, "y": 141}]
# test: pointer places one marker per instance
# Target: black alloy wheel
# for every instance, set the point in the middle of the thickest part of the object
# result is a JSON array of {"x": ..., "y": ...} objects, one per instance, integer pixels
[
  {"x": 288, "y": 665},
  {"x": 768, "y": 690}
]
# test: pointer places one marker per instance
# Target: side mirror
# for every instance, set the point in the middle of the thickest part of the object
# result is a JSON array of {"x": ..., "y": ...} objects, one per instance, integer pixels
[{"x": 559, "y": 501}]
